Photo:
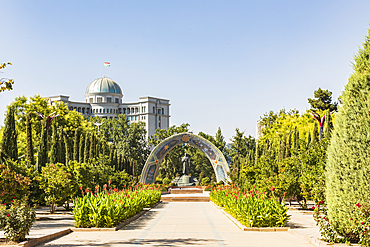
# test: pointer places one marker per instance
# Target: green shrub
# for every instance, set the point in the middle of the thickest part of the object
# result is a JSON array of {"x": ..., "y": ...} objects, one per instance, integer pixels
[
  {"x": 205, "y": 181},
  {"x": 16, "y": 220},
  {"x": 12, "y": 184},
  {"x": 166, "y": 181},
  {"x": 253, "y": 209},
  {"x": 56, "y": 183},
  {"x": 348, "y": 154},
  {"x": 107, "y": 208}
]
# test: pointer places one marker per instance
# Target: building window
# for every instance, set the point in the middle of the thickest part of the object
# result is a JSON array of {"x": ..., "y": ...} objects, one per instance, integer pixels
[
  {"x": 136, "y": 110},
  {"x": 91, "y": 100},
  {"x": 110, "y": 110},
  {"x": 159, "y": 125},
  {"x": 99, "y": 99},
  {"x": 116, "y": 100},
  {"x": 124, "y": 110},
  {"x": 159, "y": 111},
  {"x": 100, "y": 110},
  {"x": 162, "y": 111},
  {"x": 153, "y": 109},
  {"x": 109, "y": 99},
  {"x": 103, "y": 110},
  {"x": 135, "y": 118},
  {"x": 159, "y": 118}
]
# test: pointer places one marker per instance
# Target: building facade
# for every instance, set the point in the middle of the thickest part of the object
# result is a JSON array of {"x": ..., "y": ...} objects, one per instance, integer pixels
[{"x": 104, "y": 98}]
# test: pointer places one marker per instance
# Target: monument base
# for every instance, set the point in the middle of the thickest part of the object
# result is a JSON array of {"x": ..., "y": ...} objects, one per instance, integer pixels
[{"x": 186, "y": 180}]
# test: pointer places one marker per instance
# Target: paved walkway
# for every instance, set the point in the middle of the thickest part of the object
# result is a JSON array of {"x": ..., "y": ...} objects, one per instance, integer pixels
[{"x": 181, "y": 224}]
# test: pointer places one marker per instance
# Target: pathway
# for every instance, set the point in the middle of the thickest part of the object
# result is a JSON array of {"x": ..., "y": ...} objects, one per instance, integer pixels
[{"x": 181, "y": 224}]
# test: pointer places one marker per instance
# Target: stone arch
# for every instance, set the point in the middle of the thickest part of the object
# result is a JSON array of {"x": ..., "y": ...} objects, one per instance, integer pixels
[{"x": 155, "y": 159}]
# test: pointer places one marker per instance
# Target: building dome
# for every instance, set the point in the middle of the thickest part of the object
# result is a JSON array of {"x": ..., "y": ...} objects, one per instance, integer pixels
[{"x": 103, "y": 85}]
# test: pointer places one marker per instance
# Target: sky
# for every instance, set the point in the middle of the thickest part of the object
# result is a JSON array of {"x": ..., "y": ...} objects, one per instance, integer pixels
[{"x": 220, "y": 63}]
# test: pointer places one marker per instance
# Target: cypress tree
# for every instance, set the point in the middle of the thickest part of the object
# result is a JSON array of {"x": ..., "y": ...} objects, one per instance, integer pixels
[
  {"x": 348, "y": 153},
  {"x": 9, "y": 141},
  {"x": 315, "y": 136},
  {"x": 282, "y": 148},
  {"x": 76, "y": 146},
  {"x": 62, "y": 147},
  {"x": 92, "y": 146},
  {"x": 308, "y": 138},
  {"x": 42, "y": 145},
  {"x": 104, "y": 147},
  {"x": 328, "y": 124},
  {"x": 98, "y": 146},
  {"x": 111, "y": 156},
  {"x": 288, "y": 145},
  {"x": 87, "y": 148},
  {"x": 82, "y": 149},
  {"x": 54, "y": 147},
  {"x": 119, "y": 162},
  {"x": 68, "y": 149},
  {"x": 30, "y": 150}
]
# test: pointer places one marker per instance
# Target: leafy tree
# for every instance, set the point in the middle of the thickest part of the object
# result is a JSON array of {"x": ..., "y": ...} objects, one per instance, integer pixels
[
  {"x": 348, "y": 153},
  {"x": 54, "y": 147},
  {"x": 43, "y": 153},
  {"x": 76, "y": 146},
  {"x": 322, "y": 101},
  {"x": 5, "y": 84},
  {"x": 62, "y": 147},
  {"x": 82, "y": 149},
  {"x": 12, "y": 184},
  {"x": 9, "y": 141}
]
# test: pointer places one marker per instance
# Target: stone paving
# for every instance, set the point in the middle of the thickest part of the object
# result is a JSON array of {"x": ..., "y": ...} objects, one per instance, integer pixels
[{"x": 182, "y": 224}]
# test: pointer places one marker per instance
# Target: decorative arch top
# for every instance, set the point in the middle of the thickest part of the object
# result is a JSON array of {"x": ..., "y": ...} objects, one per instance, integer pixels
[{"x": 215, "y": 156}]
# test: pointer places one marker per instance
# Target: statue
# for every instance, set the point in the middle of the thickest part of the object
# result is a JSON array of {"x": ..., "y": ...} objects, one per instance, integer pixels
[{"x": 185, "y": 164}]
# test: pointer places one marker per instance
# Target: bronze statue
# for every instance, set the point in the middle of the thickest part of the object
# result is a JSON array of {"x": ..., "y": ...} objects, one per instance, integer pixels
[{"x": 185, "y": 164}]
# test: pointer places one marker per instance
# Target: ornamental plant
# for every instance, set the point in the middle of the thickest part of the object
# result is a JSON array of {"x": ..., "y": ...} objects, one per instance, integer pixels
[
  {"x": 56, "y": 183},
  {"x": 16, "y": 219},
  {"x": 326, "y": 229},
  {"x": 348, "y": 154},
  {"x": 362, "y": 224},
  {"x": 251, "y": 208},
  {"x": 108, "y": 207}
]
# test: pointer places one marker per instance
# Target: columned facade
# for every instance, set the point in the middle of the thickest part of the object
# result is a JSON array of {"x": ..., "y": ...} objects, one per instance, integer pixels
[{"x": 104, "y": 98}]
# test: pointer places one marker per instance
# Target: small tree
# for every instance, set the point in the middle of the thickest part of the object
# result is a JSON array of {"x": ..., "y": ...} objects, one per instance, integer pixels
[
  {"x": 30, "y": 151},
  {"x": 322, "y": 101},
  {"x": 76, "y": 146},
  {"x": 82, "y": 148},
  {"x": 56, "y": 183}
]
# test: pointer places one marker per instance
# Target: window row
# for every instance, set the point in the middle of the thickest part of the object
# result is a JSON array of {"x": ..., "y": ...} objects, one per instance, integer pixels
[
  {"x": 105, "y": 110},
  {"x": 159, "y": 110},
  {"x": 108, "y": 100}
]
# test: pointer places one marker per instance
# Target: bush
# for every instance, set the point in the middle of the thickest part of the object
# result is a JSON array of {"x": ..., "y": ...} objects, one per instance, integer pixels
[
  {"x": 107, "y": 208},
  {"x": 16, "y": 220},
  {"x": 208, "y": 188},
  {"x": 253, "y": 209},
  {"x": 12, "y": 184},
  {"x": 166, "y": 181},
  {"x": 56, "y": 183},
  {"x": 205, "y": 181}
]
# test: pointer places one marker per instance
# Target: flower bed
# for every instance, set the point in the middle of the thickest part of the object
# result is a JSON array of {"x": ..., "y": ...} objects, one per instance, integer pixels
[
  {"x": 108, "y": 207},
  {"x": 251, "y": 208}
]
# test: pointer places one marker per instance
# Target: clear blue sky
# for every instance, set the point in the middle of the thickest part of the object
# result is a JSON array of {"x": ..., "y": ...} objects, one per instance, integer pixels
[{"x": 221, "y": 63}]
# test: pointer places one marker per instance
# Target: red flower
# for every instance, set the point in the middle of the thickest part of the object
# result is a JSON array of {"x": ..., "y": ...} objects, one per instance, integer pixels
[
  {"x": 362, "y": 223},
  {"x": 14, "y": 197},
  {"x": 5, "y": 204},
  {"x": 81, "y": 188},
  {"x": 284, "y": 193},
  {"x": 351, "y": 219},
  {"x": 7, "y": 215},
  {"x": 86, "y": 190},
  {"x": 358, "y": 205},
  {"x": 76, "y": 199},
  {"x": 363, "y": 232},
  {"x": 321, "y": 202},
  {"x": 313, "y": 207},
  {"x": 12, "y": 200}
]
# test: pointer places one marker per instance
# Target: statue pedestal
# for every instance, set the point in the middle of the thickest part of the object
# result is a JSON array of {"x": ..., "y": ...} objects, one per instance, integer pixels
[{"x": 186, "y": 180}]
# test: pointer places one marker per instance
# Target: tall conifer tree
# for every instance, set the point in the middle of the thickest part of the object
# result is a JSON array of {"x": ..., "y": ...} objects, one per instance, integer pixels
[
  {"x": 30, "y": 151},
  {"x": 68, "y": 149},
  {"x": 348, "y": 160},
  {"x": 315, "y": 135},
  {"x": 82, "y": 149},
  {"x": 328, "y": 124},
  {"x": 9, "y": 140},
  {"x": 87, "y": 148},
  {"x": 76, "y": 143},
  {"x": 62, "y": 147},
  {"x": 54, "y": 147},
  {"x": 92, "y": 146},
  {"x": 43, "y": 154}
]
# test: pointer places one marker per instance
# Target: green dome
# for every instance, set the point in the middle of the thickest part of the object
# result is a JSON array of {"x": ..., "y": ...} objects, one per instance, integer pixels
[{"x": 103, "y": 85}]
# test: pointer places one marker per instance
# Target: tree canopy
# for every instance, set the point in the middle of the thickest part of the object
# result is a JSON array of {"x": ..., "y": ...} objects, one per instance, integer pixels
[
  {"x": 5, "y": 83},
  {"x": 322, "y": 101}
]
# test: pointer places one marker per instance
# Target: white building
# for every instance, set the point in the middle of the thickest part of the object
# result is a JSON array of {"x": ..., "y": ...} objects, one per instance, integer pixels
[{"x": 104, "y": 98}]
